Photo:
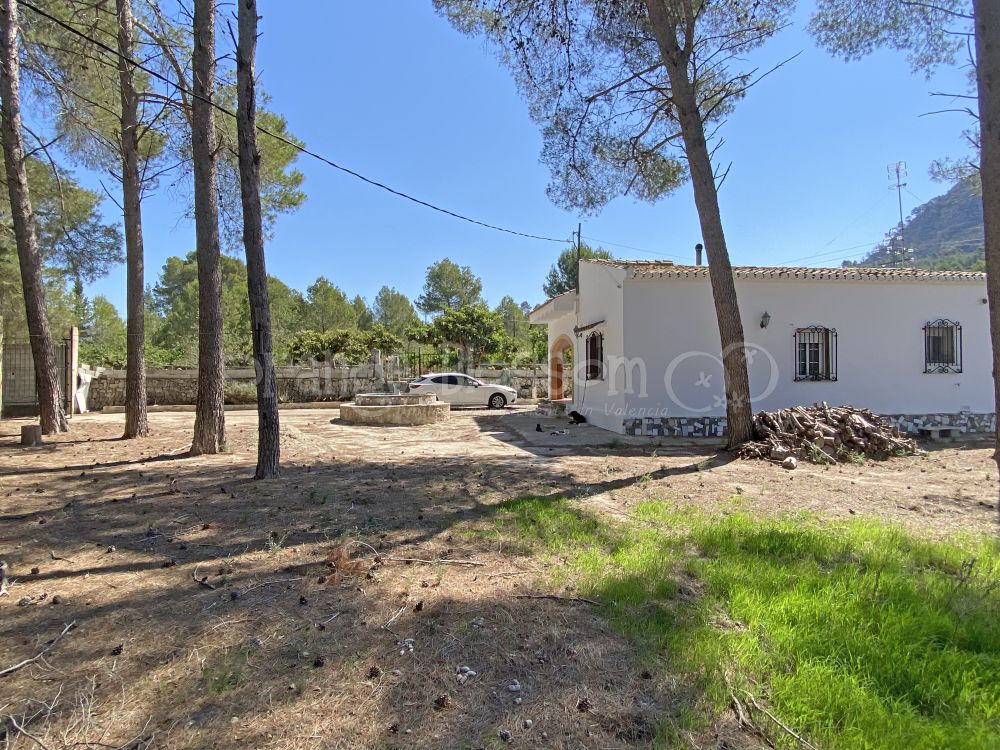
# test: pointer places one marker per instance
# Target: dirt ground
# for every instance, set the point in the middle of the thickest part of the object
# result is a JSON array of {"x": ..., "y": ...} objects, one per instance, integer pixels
[{"x": 210, "y": 610}]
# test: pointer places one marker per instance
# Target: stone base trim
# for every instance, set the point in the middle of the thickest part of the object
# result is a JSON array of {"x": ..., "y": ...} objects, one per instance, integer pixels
[{"x": 967, "y": 423}]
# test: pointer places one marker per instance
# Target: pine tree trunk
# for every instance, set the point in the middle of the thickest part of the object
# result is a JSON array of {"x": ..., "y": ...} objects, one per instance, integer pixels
[
  {"x": 739, "y": 410},
  {"x": 136, "y": 420},
  {"x": 210, "y": 418},
  {"x": 50, "y": 409},
  {"x": 268, "y": 435},
  {"x": 987, "y": 25}
]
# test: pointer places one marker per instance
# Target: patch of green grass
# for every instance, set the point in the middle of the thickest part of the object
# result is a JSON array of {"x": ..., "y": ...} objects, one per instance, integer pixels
[
  {"x": 858, "y": 635},
  {"x": 224, "y": 673},
  {"x": 275, "y": 541}
]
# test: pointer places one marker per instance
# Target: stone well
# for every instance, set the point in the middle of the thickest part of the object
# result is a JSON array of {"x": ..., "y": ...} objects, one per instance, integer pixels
[{"x": 394, "y": 409}]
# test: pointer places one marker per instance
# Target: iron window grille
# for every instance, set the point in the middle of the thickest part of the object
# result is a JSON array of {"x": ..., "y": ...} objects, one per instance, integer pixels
[
  {"x": 595, "y": 356},
  {"x": 816, "y": 353},
  {"x": 943, "y": 346}
]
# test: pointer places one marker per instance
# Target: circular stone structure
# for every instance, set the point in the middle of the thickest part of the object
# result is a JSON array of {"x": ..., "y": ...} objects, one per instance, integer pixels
[{"x": 389, "y": 409}]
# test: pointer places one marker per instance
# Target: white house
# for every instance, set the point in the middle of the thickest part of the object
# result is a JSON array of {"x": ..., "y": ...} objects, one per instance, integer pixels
[{"x": 910, "y": 344}]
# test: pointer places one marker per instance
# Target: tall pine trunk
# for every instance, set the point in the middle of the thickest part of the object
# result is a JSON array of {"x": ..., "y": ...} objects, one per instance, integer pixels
[
  {"x": 739, "y": 411},
  {"x": 210, "y": 418},
  {"x": 136, "y": 420},
  {"x": 987, "y": 25},
  {"x": 50, "y": 409},
  {"x": 268, "y": 443}
]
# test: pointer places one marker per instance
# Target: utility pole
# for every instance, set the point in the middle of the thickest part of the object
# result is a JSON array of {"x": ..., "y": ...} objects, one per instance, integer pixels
[{"x": 897, "y": 172}]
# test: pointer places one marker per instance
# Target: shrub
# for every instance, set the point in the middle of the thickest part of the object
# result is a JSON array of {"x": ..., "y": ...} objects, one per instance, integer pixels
[{"x": 240, "y": 393}]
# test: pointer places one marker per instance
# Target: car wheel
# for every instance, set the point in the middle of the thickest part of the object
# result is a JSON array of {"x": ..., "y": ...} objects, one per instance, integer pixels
[{"x": 498, "y": 401}]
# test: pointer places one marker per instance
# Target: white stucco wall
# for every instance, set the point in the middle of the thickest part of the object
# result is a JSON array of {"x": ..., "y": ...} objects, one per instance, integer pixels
[
  {"x": 668, "y": 326},
  {"x": 600, "y": 300}
]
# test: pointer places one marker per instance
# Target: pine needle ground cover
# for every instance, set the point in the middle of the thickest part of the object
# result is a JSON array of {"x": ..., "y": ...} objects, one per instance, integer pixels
[{"x": 850, "y": 635}]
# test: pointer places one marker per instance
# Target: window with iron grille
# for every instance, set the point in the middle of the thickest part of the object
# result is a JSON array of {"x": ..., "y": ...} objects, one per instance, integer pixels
[
  {"x": 816, "y": 353},
  {"x": 943, "y": 346},
  {"x": 595, "y": 356}
]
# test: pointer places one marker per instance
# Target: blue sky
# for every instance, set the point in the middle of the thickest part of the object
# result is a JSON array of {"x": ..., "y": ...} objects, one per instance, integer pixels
[{"x": 392, "y": 91}]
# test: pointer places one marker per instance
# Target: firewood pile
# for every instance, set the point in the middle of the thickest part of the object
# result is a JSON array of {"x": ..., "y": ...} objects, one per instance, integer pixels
[{"x": 823, "y": 434}]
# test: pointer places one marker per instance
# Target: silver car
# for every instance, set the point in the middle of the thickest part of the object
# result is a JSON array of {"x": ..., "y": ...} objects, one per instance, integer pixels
[{"x": 461, "y": 390}]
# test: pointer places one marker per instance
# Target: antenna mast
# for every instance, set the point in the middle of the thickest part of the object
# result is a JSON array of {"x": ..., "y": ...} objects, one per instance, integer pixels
[{"x": 897, "y": 173}]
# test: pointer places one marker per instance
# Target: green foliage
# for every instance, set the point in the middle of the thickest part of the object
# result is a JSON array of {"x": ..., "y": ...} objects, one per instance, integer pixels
[
  {"x": 353, "y": 347},
  {"x": 72, "y": 236},
  {"x": 363, "y": 312},
  {"x": 240, "y": 393},
  {"x": 326, "y": 307},
  {"x": 394, "y": 311},
  {"x": 858, "y": 634},
  {"x": 563, "y": 275},
  {"x": 474, "y": 330},
  {"x": 539, "y": 336},
  {"x": 80, "y": 83},
  {"x": 449, "y": 286},
  {"x": 280, "y": 182},
  {"x": 381, "y": 338},
  {"x": 73, "y": 240},
  {"x": 925, "y": 31},
  {"x": 514, "y": 316},
  {"x": 103, "y": 345},
  {"x": 519, "y": 330},
  {"x": 594, "y": 80},
  {"x": 174, "y": 301}
]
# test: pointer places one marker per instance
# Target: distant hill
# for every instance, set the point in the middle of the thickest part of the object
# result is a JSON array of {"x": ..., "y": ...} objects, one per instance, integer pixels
[{"x": 945, "y": 233}]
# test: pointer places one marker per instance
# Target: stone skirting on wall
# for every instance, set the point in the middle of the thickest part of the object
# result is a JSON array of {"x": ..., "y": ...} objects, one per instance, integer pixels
[
  {"x": 676, "y": 426},
  {"x": 295, "y": 384},
  {"x": 964, "y": 422}
]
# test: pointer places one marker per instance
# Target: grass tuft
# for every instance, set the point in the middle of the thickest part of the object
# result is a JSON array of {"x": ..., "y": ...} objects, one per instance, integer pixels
[{"x": 859, "y": 635}]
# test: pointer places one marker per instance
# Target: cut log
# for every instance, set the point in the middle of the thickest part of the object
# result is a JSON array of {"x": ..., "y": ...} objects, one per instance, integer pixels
[
  {"x": 824, "y": 434},
  {"x": 31, "y": 435}
]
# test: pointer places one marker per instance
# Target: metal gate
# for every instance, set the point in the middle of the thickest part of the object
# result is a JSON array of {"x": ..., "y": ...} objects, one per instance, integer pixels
[{"x": 18, "y": 389}]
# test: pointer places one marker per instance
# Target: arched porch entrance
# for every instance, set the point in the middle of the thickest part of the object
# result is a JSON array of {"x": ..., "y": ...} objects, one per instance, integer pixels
[{"x": 558, "y": 369}]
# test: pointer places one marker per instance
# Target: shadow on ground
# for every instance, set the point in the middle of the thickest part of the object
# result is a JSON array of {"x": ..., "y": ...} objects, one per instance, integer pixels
[{"x": 211, "y": 610}]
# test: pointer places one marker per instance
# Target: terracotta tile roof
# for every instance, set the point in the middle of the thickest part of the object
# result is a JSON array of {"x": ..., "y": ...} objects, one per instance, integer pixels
[{"x": 664, "y": 269}]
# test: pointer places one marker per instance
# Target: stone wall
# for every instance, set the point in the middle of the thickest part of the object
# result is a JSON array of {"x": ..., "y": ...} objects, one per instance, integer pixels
[
  {"x": 295, "y": 384},
  {"x": 965, "y": 423}
]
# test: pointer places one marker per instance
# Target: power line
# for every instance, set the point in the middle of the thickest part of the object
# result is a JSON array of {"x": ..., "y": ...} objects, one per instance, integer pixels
[
  {"x": 861, "y": 216},
  {"x": 637, "y": 249},
  {"x": 830, "y": 254},
  {"x": 282, "y": 139}
]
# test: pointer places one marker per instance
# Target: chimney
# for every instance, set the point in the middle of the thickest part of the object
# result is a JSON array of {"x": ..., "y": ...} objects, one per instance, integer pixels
[{"x": 697, "y": 254}]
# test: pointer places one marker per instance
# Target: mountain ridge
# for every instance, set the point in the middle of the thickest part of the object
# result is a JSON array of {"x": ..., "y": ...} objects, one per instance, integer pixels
[{"x": 945, "y": 234}]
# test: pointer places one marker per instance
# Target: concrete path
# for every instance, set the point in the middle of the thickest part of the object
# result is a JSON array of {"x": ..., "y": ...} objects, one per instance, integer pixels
[{"x": 524, "y": 424}]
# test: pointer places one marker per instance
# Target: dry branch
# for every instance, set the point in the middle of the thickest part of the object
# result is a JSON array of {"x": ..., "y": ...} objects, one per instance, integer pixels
[
  {"x": 557, "y": 598},
  {"x": 203, "y": 581},
  {"x": 380, "y": 558},
  {"x": 39, "y": 655},
  {"x": 21, "y": 730},
  {"x": 802, "y": 740},
  {"x": 433, "y": 561}
]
